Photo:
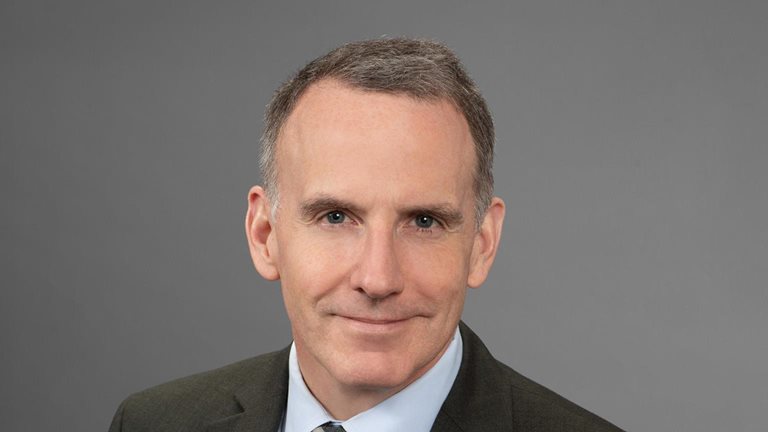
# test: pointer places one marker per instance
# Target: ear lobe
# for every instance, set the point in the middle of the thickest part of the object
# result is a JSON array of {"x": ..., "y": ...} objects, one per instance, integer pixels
[
  {"x": 486, "y": 243},
  {"x": 260, "y": 234}
]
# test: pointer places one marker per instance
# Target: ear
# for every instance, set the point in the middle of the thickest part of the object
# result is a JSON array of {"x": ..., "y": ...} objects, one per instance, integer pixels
[
  {"x": 486, "y": 243},
  {"x": 261, "y": 235}
]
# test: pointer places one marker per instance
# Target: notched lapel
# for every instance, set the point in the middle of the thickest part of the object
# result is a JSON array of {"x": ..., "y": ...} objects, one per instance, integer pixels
[
  {"x": 444, "y": 423},
  {"x": 262, "y": 398},
  {"x": 227, "y": 424},
  {"x": 245, "y": 422},
  {"x": 476, "y": 401}
]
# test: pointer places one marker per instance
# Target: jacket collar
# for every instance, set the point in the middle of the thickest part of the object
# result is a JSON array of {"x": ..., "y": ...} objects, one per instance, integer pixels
[
  {"x": 262, "y": 398},
  {"x": 475, "y": 401}
]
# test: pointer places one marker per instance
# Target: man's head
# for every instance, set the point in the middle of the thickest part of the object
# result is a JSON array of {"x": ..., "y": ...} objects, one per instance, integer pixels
[
  {"x": 420, "y": 69},
  {"x": 376, "y": 238}
]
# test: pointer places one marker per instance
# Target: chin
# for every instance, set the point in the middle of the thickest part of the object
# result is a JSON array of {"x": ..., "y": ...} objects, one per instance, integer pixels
[{"x": 376, "y": 372}]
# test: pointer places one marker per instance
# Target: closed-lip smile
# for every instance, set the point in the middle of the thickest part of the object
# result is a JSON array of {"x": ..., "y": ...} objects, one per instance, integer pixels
[
  {"x": 376, "y": 321},
  {"x": 375, "y": 325}
]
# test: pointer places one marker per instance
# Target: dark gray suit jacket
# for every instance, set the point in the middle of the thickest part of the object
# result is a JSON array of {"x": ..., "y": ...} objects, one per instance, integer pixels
[{"x": 250, "y": 396}]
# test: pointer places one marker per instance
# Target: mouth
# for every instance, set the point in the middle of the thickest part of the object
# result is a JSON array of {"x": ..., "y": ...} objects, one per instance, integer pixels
[
  {"x": 376, "y": 321},
  {"x": 374, "y": 325}
]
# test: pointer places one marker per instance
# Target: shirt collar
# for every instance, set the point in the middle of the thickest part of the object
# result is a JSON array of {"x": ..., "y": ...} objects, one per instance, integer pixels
[{"x": 414, "y": 408}]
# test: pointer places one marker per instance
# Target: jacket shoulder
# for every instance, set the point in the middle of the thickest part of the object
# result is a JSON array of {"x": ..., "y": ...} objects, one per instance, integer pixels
[
  {"x": 192, "y": 402},
  {"x": 489, "y": 395},
  {"x": 539, "y": 408}
]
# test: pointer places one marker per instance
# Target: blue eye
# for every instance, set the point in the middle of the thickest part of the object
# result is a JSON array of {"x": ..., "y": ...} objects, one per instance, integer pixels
[
  {"x": 335, "y": 217},
  {"x": 424, "y": 221}
]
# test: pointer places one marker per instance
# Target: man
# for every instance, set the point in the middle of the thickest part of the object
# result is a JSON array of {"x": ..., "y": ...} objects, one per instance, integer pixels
[{"x": 376, "y": 215}]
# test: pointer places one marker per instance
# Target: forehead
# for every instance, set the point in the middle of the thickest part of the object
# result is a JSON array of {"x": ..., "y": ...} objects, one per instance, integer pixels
[{"x": 340, "y": 138}]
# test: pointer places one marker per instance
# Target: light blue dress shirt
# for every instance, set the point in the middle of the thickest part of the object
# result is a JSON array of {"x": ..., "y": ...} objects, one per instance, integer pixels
[{"x": 413, "y": 408}]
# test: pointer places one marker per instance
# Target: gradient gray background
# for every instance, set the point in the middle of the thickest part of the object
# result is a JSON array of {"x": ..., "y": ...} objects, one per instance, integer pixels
[{"x": 632, "y": 153}]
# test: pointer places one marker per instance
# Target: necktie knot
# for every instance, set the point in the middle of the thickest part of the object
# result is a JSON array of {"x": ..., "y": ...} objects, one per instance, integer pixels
[{"x": 329, "y": 427}]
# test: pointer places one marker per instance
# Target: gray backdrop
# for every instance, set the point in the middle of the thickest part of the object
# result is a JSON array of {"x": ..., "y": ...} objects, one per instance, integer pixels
[{"x": 632, "y": 154}]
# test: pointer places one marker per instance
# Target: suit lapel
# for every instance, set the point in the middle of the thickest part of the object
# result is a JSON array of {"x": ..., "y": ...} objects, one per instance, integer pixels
[
  {"x": 476, "y": 401},
  {"x": 262, "y": 398}
]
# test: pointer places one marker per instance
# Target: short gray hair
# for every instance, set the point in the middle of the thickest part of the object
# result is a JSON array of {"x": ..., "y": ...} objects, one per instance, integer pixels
[{"x": 421, "y": 69}]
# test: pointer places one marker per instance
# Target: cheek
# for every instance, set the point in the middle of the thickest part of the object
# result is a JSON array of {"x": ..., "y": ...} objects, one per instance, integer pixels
[
  {"x": 439, "y": 271},
  {"x": 311, "y": 266}
]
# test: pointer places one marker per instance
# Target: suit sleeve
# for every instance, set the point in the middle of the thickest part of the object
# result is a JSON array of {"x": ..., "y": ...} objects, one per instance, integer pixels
[{"x": 117, "y": 420}]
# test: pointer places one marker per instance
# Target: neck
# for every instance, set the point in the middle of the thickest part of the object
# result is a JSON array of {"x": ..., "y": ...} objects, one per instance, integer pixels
[{"x": 343, "y": 404}]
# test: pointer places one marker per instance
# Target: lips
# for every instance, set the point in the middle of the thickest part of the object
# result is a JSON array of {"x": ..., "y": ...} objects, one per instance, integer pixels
[
  {"x": 376, "y": 321},
  {"x": 375, "y": 326}
]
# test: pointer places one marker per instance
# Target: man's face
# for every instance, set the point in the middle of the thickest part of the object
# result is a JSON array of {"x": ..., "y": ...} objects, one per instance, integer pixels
[{"x": 374, "y": 239}]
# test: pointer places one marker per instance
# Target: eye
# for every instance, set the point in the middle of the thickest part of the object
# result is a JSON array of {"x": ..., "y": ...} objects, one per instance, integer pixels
[
  {"x": 335, "y": 217},
  {"x": 424, "y": 221}
]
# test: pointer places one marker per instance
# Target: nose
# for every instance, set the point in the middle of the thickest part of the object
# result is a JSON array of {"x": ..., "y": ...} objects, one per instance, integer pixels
[{"x": 378, "y": 273}]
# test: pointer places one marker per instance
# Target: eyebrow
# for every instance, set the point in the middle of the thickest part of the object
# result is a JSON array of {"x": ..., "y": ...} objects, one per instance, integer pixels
[
  {"x": 310, "y": 208},
  {"x": 446, "y": 213}
]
